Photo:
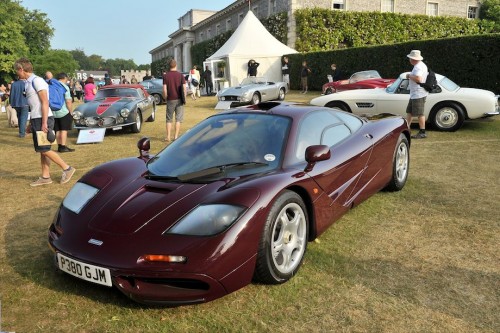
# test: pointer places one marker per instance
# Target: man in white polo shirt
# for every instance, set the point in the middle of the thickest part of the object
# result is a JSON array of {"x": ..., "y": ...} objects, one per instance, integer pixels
[
  {"x": 42, "y": 119},
  {"x": 417, "y": 93}
]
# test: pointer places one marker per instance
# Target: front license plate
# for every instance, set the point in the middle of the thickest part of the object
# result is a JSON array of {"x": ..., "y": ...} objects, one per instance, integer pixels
[
  {"x": 84, "y": 271},
  {"x": 117, "y": 128}
]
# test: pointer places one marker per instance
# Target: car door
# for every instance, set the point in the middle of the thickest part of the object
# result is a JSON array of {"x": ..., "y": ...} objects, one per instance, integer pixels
[
  {"x": 395, "y": 98},
  {"x": 350, "y": 152}
]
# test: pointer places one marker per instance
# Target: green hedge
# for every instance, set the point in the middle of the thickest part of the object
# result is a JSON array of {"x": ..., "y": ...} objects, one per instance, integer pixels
[
  {"x": 470, "y": 61},
  {"x": 323, "y": 29}
]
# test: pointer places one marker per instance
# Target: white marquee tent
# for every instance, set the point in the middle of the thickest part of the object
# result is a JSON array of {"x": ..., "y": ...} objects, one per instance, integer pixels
[{"x": 250, "y": 40}]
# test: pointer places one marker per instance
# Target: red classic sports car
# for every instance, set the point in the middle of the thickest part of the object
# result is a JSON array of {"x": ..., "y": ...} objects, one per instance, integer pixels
[
  {"x": 235, "y": 199},
  {"x": 359, "y": 80}
]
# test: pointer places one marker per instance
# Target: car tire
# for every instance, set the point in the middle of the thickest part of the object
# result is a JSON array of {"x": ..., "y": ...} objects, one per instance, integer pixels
[
  {"x": 339, "y": 105},
  {"x": 400, "y": 165},
  {"x": 152, "y": 117},
  {"x": 281, "y": 95},
  {"x": 255, "y": 99},
  {"x": 447, "y": 117},
  {"x": 284, "y": 240},
  {"x": 137, "y": 126},
  {"x": 158, "y": 99}
]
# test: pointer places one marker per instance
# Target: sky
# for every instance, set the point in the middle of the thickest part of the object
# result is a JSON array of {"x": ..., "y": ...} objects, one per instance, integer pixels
[{"x": 125, "y": 29}]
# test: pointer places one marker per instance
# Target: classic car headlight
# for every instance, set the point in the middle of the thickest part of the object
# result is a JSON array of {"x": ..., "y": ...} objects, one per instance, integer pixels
[
  {"x": 78, "y": 197},
  {"x": 124, "y": 112},
  {"x": 207, "y": 220},
  {"x": 90, "y": 122},
  {"x": 245, "y": 97},
  {"x": 77, "y": 115}
]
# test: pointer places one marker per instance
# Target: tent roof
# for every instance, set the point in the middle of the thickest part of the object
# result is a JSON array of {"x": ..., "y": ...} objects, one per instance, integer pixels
[{"x": 251, "y": 39}]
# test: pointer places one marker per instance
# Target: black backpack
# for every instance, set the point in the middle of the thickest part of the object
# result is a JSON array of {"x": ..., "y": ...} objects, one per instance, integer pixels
[{"x": 430, "y": 82}]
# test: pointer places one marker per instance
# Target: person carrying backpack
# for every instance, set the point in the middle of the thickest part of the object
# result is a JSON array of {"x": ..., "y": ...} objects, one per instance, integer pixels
[
  {"x": 418, "y": 94},
  {"x": 42, "y": 121},
  {"x": 63, "y": 118}
]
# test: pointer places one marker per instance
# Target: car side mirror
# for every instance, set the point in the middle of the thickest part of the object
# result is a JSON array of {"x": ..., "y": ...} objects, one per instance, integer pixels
[
  {"x": 144, "y": 144},
  {"x": 316, "y": 153}
]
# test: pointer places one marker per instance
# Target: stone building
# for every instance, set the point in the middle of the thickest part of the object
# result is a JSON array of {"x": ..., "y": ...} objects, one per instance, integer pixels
[{"x": 200, "y": 25}]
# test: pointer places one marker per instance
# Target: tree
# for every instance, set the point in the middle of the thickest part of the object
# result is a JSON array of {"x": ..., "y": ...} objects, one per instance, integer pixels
[
  {"x": 37, "y": 31},
  {"x": 12, "y": 41},
  {"x": 82, "y": 59},
  {"x": 115, "y": 66},
  {"x": 56, "y": 61},
  {"x": 96, "y": 62},
  {"x": 490, "y": 10}
]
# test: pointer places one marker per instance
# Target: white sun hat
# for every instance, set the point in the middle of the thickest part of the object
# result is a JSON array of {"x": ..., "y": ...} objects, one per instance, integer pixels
[{"x": 415, "y": 55}]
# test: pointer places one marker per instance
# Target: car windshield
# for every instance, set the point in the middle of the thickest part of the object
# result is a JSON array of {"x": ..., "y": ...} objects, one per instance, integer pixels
[
  {"x": 365, "y": 75},
  {"x": 116, "y": 92},
  {"x": 448, "y": 84},
  {"x": 253, "y": 80},
  {"x": 232, "y": 144}
]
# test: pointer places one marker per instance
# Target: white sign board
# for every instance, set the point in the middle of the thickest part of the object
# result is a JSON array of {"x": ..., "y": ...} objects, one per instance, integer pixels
[{"x": 91, "y": 135}]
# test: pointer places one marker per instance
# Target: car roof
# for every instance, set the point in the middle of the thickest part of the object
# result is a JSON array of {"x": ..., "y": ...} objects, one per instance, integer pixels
[
  {"x": 122, "y": 86},
  {"x": 289, "y": 109}
]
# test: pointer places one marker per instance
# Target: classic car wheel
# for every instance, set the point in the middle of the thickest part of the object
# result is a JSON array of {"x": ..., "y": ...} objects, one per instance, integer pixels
[
  {"x": 281, "y": 95},
  {"x": 447, "y": 117},
  {"x": 255, "y": 98},
  {"x": 157, "y": 98},
  {"x": 136, "y": 128},
  {"x": 400, "y": 165},
  {"x": 284, "y": 240},
  {"x": 339, "y": 105},
  {"x": 152, "y": 117}
]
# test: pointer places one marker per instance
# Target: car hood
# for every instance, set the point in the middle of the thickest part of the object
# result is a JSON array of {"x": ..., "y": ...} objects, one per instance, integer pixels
[
  {"x": 238, "y": 90},
  {"x": 130, "y": 204},
  {"x": 106, "y": 107}
]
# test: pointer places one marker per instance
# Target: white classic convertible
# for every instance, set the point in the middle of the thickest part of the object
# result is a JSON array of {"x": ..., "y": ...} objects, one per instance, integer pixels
[{"x": 446, "y": 108}]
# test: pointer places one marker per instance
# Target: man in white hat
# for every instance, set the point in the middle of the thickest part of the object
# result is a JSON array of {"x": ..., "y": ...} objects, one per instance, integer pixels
[{"x": 417, "y": 93}]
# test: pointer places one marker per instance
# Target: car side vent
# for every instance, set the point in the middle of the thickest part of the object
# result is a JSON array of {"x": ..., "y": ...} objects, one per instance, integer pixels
[{"x": 364, "y": 105}]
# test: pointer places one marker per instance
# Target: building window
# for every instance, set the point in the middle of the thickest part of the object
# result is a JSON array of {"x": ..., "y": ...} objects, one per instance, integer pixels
[
  {"x": 472, "y": 12},
  {"x": 432, "y": 9},
  {"x": 387, "y": 6},
  {"x": 217, "y": 29},
  {"x": 241, "y": 16},
  {"x": 338, "y": 5},
  {"x": 228, "y": 25},
  {"x": 201, "y": 36},
  {"x": 209, "y": 33},
  {"x": 272, "y": 7}
]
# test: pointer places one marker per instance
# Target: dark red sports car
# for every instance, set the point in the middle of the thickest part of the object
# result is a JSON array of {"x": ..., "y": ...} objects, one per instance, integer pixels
[
  {"x": 359, "y": 80},
  {"x": 235, "y": 199}
]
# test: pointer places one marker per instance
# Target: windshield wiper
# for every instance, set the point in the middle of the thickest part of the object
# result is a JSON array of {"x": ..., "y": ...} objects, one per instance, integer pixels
[{"x": 219, "y": 169}]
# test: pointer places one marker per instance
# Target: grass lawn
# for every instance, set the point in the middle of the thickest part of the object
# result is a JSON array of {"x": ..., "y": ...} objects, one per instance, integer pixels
[{"x": 425, "y": 259}]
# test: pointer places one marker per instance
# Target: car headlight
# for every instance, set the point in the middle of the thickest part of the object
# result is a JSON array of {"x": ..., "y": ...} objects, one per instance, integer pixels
[
  {"x": 207, "y": 220},
  {"x": 124, "y": 112},
  {"x": 78, "y": 197},
  {"x": 77, "y": 115}
]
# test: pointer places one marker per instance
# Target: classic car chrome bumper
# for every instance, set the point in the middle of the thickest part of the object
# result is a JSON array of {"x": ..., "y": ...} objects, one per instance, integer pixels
[{"x": 497, "y": 109}]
